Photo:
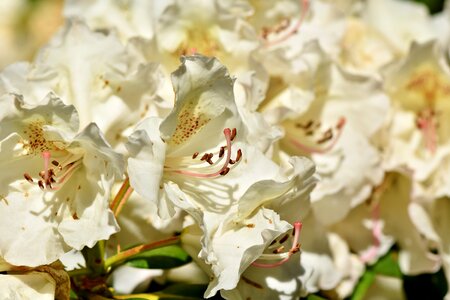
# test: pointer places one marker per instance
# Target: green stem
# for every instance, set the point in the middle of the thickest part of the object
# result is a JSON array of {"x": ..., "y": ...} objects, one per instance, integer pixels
[
  {"x": 79, "y": 272},
  {"x": 94, "y": 257},
  {"x": 122, "y": 256}
]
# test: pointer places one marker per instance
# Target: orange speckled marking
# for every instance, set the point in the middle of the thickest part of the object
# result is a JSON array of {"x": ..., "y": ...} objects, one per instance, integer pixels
[
  {"x": 36, "y": 143},
  {"x": 190, "y": 121}
]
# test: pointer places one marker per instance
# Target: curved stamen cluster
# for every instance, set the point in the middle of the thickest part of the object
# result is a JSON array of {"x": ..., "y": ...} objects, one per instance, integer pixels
[
  {"x": 277, "y": 253},
  {"x": 283, "y": 26},
  {"x": 51, "y": 178},
  {"x": 208, "y": 158},
  {"x": 427, "y": 123},
  {"x": 330, "y": 136}
]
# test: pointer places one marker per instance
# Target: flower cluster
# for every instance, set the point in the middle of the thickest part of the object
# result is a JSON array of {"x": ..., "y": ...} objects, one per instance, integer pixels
[{"x": 284, "y": 146}]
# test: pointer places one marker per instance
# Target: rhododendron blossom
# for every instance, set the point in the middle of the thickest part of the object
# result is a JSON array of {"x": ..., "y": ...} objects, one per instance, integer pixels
[{"x": 55, "y": 181}]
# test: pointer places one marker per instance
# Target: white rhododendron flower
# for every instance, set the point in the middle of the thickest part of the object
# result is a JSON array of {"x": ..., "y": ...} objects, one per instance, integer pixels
[
  {"x": 128, "y": 19},
  {"x": 380, "y": 33},
  {"x": 417, "y": 138},
  {"x": 301, "y": 148},
  {"x": 95, "y": 73},
  {"x": 371, "y": 231},
  {"x": 221, "y": 195},
  {"x": 55, "y": 182},
  {"x": 331, "y": 123}
]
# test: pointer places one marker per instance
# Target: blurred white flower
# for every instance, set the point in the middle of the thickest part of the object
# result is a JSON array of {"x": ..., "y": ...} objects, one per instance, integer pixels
[
  {"x": 108, "y": 83},
  {"x": 172, "y": 165},
  {"x": 416, "y": 139},
  {"x": 380, "y": 32},
  {"x": 55, "y": 182},
  {"x": 371, "y": 230},
  {"x": 127, "y": 18},
  {"x": 330, "y": 115}
]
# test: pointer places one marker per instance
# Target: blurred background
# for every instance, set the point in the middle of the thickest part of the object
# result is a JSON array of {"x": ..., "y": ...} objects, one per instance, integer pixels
[{"x": 26, "y": 25}]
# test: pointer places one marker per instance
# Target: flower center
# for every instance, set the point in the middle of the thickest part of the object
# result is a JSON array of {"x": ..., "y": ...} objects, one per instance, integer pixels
[
  {"x": 194, "y": 167},
  {"x": 198, "y": 40},
  {"x": 427, "y": 123},
  {"x": 278, "y": 248},
  {"x": 427, "y": 93},
  {"x": 284, "y": 27},
  {"x": 55, "y": 173},
  {"x": 320, "y": 141}
]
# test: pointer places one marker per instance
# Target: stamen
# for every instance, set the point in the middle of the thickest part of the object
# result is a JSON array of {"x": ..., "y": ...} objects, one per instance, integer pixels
[
  {"x": 278, "y": 250},
  {"x": 41, "y": 185},
  {"x": 229, "y": 135},
  {"x": 194, "y": 156},
  {"x": 327, "y": 135},
  {"x": 426, "y": 122},
  {"x": 292, "y": 31},
  {"x": 283, "y": 256},
  {"x": 49, "y": 176},
  {"x": 28, "y": 177},
  {"x": 284, "y": 238},
  {"x": 222, "y": 151},
  {"x": 238, "y": 155},
  {"x": 305, "y": 126}
]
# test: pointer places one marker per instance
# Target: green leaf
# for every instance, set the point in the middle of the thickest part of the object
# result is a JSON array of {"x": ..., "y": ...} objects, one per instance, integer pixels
[
  {"x": 388, "y": 266},
  {"x": 161, "y": 258},
  {"x": 363, "y": 285},
  {"x": 73, "y": 295}
]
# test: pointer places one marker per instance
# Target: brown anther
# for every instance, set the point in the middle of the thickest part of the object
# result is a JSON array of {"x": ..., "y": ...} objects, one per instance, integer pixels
[
  {"x": 55, "y": 163},
  {"x": 273, "y": 242},
  {"x": 205, "y": 156},
  {"x": 233, "y": 134},
  {"x": 231, "y": 162},
  {"x": 42, "y": 174},
  {"x": 208, "y": 159},
  {"x": 41, "y": 185},
  {"x": 284, "y": 238},
  {"x": 265, "y": 32},
  {"x": 48, "y": 184},
  {"x": 194, "y": 156},
  {"x": 278, "y": 250},
  {"x": 225, "y": 171},
  {"x": 327, "y": 135},
  {"x": 28, "y": 177},
  {"x": 309, "y": 132},
  {"x": 305, "y": 126},
  {"x": 222, "y": 151},
  {"x": 238, "y": 155},
  {"x": 51, "y": 172}
]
